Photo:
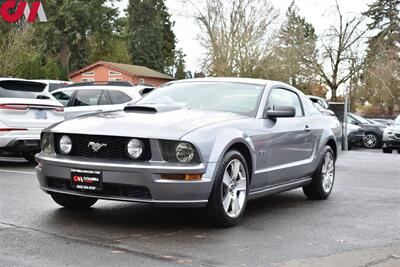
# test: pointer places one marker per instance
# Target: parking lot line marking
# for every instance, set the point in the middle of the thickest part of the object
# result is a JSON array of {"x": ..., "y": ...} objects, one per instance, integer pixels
[{"x": 10, "y": 171}]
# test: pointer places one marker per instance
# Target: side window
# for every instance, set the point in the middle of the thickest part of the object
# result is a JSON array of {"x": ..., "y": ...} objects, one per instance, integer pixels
[
  {"x": 311, "y": 108},
  {"x": 283, "y": 97},
  {"x": 104, "y": 99},
  {"x": 63, "y": 97},
  {"x": 118, "y": 97},
  {"x": 87, "y": 97}
]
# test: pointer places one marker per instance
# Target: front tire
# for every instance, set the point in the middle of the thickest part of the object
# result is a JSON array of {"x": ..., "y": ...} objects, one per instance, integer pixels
[
  {"x": 29, "y": 156},
  {"x": 228, "y": 198},
  {"x": 371, "y": 141},
  {"x": 73, "y": 202},
  {"x": 387, "y": 150},
  {"x": 324, "y": 178}
]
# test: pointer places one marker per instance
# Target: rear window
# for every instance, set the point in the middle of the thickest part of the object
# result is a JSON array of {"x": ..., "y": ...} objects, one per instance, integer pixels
[
  {"x": 118, "y": 97},
  {"x": 87, "y": 97},
  {"x": 21, "y": 89}
]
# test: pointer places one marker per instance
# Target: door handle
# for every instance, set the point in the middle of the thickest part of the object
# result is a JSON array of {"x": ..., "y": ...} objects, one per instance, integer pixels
[{"x": 307, "y": 128}]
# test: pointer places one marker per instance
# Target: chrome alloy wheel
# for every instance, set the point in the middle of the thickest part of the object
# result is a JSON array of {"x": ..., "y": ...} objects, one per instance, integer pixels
[
  {"x": 234, "y": 186},
  {"x": 370, "y": 141},
  {"x": 328, "y": 172}
]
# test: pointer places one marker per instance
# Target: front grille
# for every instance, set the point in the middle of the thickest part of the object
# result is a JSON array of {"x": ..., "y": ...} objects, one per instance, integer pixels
[
  {"x": 115, "y": 149},
  {"x": 110, "y": 190}
]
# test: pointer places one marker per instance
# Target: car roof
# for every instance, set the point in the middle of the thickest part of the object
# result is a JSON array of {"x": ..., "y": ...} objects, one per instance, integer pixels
[
  {"x": 52, "y": 81},
  {"x": 17, "y": 79},
  {"x": 226, "y": 79},
  {"x": 128, "y": 90}
]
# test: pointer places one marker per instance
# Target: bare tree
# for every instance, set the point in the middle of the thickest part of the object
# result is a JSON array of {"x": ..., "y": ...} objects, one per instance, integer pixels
[
  {"x": 339, "y": 53},
  {"x": 236, "y": 35}
]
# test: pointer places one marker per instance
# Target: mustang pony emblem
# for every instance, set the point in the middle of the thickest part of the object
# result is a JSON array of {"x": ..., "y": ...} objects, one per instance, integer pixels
[{"x": 96, "y": 146}]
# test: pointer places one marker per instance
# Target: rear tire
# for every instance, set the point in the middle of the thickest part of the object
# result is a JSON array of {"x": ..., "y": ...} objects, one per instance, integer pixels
[
  {"x": 228, "y": 198},
  {"x": 324, "y": 178},
  {"x": 387, "y": 150},
  {"x": 73, "y": 202},
  {"x": 29, "y": 156}
]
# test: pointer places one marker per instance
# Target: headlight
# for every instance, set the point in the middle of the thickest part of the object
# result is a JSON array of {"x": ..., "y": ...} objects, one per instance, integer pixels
[
  {"x": 46, "y": 143},
  {"x": 135, "y": 148},
  {"x": 65, "y": 144},
  {"x": 184, "y": 152}
]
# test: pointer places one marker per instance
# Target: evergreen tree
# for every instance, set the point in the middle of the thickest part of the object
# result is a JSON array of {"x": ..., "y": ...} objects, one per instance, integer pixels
[
  {"x": 382, "y": 68},
  {"x": 296, "y": 40},
  {"x": 69, "y": 27},
  {"x": 151, "y": 40},
  {"x": 180, "y": 72}
]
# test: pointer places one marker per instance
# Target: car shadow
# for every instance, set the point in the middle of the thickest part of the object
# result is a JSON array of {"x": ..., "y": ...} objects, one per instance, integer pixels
[
  {"x": 127, "y": 216},
  {"x": 6, "y": 162}
]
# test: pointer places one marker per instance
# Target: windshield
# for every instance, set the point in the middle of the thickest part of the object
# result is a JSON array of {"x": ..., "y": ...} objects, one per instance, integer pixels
[
  {"x": 220, "y": 96},
  {"x": 397, "y": 121},
  {"x": 360, "y": 119}
]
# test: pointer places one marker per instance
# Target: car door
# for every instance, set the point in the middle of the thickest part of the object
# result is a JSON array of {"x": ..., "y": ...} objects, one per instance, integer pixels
[
  {"x": 88, "y": 101},
  {"x": 287, "y": 142}
]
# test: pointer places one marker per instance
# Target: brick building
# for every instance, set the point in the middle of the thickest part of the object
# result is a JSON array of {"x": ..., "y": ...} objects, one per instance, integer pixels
[{"x": 109, "y": 71}]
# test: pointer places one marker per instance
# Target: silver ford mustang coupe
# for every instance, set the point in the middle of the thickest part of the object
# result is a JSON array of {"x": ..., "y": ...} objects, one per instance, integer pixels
[{"x": 214, "y": 143}]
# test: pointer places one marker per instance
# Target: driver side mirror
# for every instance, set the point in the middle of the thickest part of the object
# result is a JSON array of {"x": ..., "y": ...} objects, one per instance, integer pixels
[{"x": 281, "y": 112}]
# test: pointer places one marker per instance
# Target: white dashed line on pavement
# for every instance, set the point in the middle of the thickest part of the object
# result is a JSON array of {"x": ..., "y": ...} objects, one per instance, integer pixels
[{"x": 10, "y": 171}]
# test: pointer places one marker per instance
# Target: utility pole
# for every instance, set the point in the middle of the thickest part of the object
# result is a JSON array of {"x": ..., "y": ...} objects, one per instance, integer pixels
[{"x": 346, "y": 108}]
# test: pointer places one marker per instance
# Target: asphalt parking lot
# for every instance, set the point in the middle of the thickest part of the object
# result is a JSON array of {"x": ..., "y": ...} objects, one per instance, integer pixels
[{"x": 359, "y": 225}]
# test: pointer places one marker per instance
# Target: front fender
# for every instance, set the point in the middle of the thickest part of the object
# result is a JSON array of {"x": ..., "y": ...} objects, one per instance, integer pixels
[{"x": 213, "y": 145}]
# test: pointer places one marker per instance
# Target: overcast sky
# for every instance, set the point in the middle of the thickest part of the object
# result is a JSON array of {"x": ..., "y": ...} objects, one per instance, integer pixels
[{"x": 319, "y": 12}]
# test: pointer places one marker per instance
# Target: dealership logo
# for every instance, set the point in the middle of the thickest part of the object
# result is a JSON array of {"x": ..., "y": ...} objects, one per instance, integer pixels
[
  {"x": 11, "y": 11},
  {"x": 96, "y": 146}
]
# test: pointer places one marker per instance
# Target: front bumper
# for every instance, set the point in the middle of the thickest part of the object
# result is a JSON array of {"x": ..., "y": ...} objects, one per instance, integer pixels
[
  {"x": 391, "y": 143},
  {"x": 129, "y": 181}
]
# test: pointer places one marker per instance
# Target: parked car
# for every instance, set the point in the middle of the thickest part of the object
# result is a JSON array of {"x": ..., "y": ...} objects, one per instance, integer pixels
[
  {"x": 383, "y": 121},
  {"x": 321, "y": 104},
  {"x": 355, "y": 135},
  {"x": 214, "y": 143},
  {"x": 52, "y": 85},
  {"x": 90, "y": 98},
  {"x": 391, "y": 137},
  {"x": 25, "y": 110},
  {"x": 373, "y": 132}
]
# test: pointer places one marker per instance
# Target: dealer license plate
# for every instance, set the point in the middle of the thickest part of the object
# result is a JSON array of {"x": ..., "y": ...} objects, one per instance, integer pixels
[{"x": 89, "y": 180}]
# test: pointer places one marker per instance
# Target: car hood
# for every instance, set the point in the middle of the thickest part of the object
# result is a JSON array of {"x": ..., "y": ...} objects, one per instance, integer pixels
[
  {"x": 166, "y": 124},
  {"x": 395, "y": 128}
]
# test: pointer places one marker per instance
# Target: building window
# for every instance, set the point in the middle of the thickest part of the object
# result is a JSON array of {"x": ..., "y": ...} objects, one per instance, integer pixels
[
  {"x": 90, "y": 73},
  {"x": 114, "y": 73},
  {"x": 87, "y": 80},
  {"x": 141, "y": 81},
  {"x": 115, "y": 79}
]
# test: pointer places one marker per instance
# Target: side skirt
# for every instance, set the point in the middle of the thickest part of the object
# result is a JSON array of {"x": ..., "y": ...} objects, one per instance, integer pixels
[{"x": 269, "y": 190}]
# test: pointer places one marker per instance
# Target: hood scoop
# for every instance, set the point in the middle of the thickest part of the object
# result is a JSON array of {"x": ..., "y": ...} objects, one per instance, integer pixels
[{"x": 150, "y": 108}]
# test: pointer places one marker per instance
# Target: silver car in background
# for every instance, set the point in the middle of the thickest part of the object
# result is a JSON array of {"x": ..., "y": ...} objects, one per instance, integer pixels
[
  {"x": 88, "y": 98},
  {"x": 213, "y": 143}
]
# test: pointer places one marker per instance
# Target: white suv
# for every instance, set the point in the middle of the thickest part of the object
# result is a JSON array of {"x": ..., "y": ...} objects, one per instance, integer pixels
[
  {"x": 88, "y": 98},
  {"x": 25, "y": 110},
  {"x": 52, "y": 85}
]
